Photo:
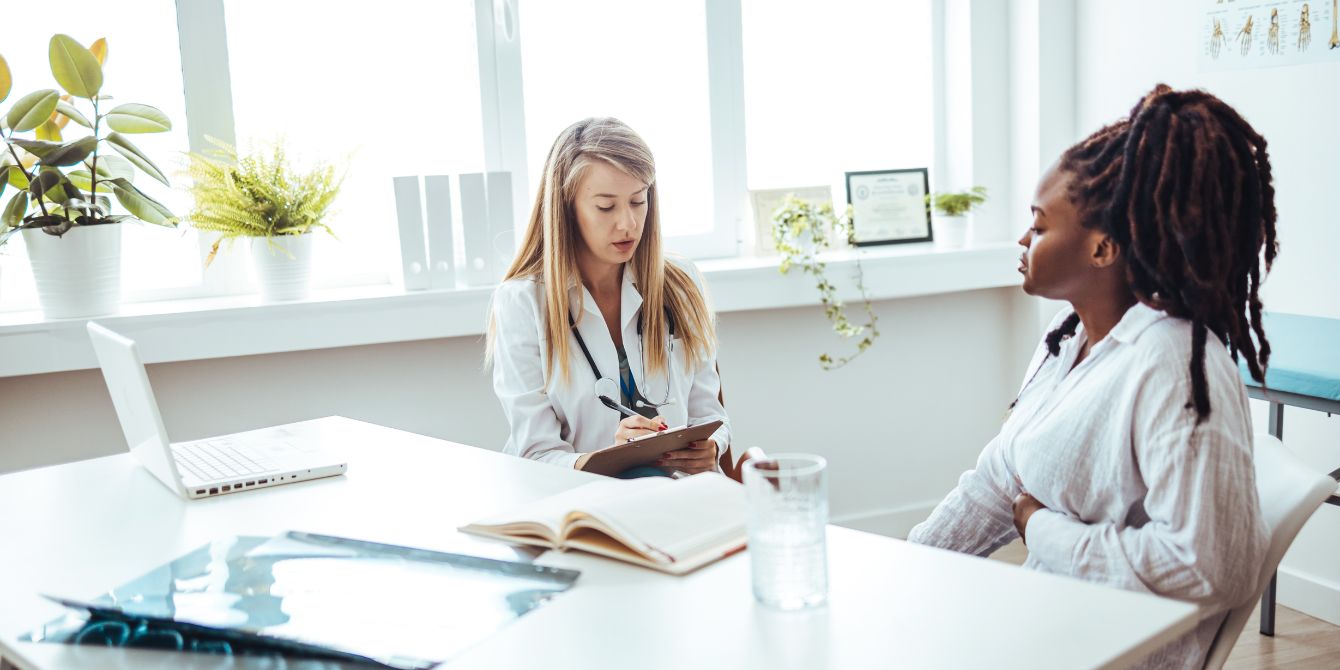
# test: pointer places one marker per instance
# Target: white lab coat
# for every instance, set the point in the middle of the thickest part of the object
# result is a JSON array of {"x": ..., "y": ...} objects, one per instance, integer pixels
[{"x": 559, "y": 424}]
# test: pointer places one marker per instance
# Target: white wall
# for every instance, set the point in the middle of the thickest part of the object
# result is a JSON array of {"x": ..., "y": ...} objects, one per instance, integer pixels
[
  {"x": 898, "y": 425},
  {"x": 1124, "y": 48}
]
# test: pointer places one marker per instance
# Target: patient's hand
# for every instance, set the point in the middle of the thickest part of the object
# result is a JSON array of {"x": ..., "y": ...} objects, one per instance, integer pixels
[{"x": 1024, "y": 507}]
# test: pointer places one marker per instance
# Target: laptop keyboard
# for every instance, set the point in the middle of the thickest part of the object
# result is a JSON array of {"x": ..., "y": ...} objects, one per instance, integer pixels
[{"x": 218, "y": 460}]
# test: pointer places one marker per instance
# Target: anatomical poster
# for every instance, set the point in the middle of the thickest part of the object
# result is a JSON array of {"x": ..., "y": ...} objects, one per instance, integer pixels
[{"x": 1239, "y": 34}]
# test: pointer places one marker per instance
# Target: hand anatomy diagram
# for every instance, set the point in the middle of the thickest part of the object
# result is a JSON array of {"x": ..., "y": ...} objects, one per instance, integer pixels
[
  {"x": 1217, "y": 39},
  {"x": 1245, "y": 36}
]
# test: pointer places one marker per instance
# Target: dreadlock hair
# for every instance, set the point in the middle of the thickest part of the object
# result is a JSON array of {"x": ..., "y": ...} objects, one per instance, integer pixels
[{"x": 1183, "y": 186}]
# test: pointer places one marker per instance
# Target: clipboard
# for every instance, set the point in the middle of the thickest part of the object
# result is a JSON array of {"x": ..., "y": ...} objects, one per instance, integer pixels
[{"x": 644, "y": 450}]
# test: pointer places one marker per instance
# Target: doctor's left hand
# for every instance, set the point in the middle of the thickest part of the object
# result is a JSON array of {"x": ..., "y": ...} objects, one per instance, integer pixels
[{"x": 701, "y": 456}]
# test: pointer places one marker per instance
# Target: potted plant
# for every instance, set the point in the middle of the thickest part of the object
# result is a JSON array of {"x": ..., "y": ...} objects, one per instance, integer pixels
[
  {"x": 60, "y": 203},
  {"x": 952, "y": 223},
  {"x": 801, "y": 231},
  {"x": 262, "y": 197}
]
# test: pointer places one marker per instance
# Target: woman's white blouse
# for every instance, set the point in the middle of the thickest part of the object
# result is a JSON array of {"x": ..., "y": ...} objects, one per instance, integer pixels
[
  {"x": 559, "y": 424},
  {"x": 1138, "y": 496}
]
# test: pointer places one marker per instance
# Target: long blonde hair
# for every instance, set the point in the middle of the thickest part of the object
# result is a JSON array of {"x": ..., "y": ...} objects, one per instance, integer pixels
[{"x": 548, "y": 253}]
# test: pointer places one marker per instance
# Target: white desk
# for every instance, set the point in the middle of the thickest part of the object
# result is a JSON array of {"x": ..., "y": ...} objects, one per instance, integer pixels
[{"x": 81, "y": 528}]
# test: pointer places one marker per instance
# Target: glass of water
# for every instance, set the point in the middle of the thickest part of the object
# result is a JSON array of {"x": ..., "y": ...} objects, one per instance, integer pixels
[{"x": 788, "y": 514}]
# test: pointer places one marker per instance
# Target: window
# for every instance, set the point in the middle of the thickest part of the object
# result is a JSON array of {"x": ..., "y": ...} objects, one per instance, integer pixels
[
  {"x": 143, "y": 65},
  {"x": 387, "y": 92},
  {"x": 730, "y": 95},
  {"x": 835, "y": 87},
  {"x": 641, "y": 62}
]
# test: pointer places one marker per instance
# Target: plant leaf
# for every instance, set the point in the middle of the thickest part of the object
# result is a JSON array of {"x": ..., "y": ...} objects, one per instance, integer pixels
[
  {"x": 83, "y": 180},
  {"x": 4, "y": 178},
  {"x": 39, "y": 148},
  {"x": 75, "y": 68},
  {"x": 99, "y": 50},
  {"x": 14, "y": 211},
  {"x": 6, "y": 79},
  {"x": 17, "y": 177},
  {"x": 132, "y": 153},
  {"x": 111, "y": 167},
  {"x": 140, "y": 205},
  {"x": 49, "y": 183},
  {"x": 49, "y": 130},
  {"x": 68, "y": 111},
  {"x": 32, "y": 110},
  {"x": 71, "y": 153},
  {"x": 136, "y": 118}
]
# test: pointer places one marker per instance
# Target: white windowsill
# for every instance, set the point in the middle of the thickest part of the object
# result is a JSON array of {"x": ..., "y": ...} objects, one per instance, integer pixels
[{"x": 184, "y": 330}]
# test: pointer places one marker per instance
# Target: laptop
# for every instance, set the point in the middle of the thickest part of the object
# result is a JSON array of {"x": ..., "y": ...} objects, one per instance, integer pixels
[{"x": 212, "y": 466}]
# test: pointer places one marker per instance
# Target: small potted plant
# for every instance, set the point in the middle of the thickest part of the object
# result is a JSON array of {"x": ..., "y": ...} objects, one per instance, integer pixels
[
  {"x": 264, "y": 198},
  {"x": 61, "y": 185},
  {"x": 801, "y": 230},
  {"x": 952, "y": 222}
]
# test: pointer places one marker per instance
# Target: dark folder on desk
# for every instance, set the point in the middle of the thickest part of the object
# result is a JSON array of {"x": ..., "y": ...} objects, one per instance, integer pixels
[{"x": 314, "y": 596}]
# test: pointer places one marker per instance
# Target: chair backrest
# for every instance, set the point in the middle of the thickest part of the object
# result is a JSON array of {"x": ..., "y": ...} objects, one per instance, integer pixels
[
  {"x": 1289, "y": 492},
  {"x": 726, "y": 460}
]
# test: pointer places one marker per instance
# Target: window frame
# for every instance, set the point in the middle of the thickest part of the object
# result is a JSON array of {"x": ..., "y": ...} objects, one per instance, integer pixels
[{"x": 202, "y": 39}]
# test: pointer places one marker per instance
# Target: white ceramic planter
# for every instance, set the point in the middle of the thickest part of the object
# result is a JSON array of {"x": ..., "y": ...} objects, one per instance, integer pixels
[
  {"x": 283, "y": 276},
  {"x": 79, "y": 273},
  {"x": 952, "y": 232}
]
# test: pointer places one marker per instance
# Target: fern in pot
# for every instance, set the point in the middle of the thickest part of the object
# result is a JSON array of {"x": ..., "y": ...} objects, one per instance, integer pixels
[
  {"x": 64, "y": 188},
  {"x": 263, "y": 198}
]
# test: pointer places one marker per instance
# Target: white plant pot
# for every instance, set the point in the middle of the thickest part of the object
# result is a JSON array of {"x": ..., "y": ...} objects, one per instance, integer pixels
[
  {"x": 952, "y": 232},
  {"x": 79, "y": 273},
  {"x": 804, "y": 242},
  {"x": 283, "y": 266}
]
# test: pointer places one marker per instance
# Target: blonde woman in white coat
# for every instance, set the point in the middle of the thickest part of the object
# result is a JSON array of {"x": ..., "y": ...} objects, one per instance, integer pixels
[{"x": 591, "y": 302}]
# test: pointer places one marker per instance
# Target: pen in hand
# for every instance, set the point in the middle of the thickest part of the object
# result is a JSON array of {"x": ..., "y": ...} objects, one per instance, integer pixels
[{"x": 620, "y": 408}]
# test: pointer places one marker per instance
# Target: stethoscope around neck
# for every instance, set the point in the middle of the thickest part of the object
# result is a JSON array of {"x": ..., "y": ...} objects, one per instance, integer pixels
[{"x": 604, "y": 384}]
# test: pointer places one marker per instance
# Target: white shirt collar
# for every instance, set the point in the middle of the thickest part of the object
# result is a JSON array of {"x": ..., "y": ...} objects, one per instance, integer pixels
[
  {"x": 630, "y": 298},
  {"x": 1136, "y": 320}
]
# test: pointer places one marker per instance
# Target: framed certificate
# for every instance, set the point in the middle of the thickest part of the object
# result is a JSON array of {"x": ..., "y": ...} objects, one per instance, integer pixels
[{"x": 889, "y": 206}]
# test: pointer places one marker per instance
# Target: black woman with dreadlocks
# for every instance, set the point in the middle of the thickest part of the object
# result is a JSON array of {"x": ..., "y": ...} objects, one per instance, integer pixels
[{"x": 1127, "y": 457}]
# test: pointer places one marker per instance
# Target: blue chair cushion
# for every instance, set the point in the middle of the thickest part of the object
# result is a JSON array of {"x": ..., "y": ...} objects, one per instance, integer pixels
[{"x": 1304, "y": 356}]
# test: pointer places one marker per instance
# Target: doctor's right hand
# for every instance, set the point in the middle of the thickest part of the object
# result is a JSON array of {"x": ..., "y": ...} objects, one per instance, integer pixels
[{"x": 637, "y": 426}]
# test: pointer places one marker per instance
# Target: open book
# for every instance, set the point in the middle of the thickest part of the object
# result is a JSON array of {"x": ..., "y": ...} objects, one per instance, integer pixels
[{"x": 671, "y": 525}]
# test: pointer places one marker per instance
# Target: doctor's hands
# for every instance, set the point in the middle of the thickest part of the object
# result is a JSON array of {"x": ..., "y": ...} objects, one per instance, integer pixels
[
  {"x": 637, "y": 426},
  {"x": 1024, "y": 507},
  {"x": 701, "y": 456}
]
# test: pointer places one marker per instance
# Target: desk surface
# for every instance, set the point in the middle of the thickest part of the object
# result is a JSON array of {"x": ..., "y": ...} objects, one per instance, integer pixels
[{"x": 81, "y": 528}]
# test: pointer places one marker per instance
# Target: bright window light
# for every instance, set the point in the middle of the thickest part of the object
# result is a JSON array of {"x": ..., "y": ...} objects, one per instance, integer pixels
[
  {"x": 644, "y": 63},
  {"x": 835, "y": 87},
  {"x": 388, "y": 89}
]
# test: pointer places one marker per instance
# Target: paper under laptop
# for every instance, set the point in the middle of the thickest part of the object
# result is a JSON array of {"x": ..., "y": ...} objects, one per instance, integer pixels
[{"x": 212, "y": 466}]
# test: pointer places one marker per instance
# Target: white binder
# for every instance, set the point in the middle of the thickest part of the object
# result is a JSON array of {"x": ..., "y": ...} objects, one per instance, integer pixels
[
  {"x": 479, "y": 253},
  {"x": 441, "y": 249},
  {"x": 413, "y": 255},
  {"x": 502, "y": 223}
]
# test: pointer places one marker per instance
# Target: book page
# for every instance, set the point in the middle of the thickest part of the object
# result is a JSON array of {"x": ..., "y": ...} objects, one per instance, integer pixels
[
  {"x": 551, "y": 512},
  {"x": 704, "y": 512}
]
